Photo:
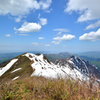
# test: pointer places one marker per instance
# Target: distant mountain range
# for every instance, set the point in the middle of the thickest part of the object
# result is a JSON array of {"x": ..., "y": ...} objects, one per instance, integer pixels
[
  {"x": 29, "y": 64},
  {"x": 54, "y": 56},
  {"x": 91, "y": 54},
  {"x": 7, "y": 56}
]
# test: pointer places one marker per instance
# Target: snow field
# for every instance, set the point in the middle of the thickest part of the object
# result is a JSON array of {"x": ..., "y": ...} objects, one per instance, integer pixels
[{"x": 49, "y": 70}]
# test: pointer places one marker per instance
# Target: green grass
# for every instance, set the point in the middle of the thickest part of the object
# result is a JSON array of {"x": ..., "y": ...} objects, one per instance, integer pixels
[{"x": 96, "y": 63}]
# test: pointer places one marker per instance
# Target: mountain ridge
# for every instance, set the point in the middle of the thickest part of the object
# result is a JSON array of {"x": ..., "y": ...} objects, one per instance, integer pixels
[{"x": 29, "y": 64}]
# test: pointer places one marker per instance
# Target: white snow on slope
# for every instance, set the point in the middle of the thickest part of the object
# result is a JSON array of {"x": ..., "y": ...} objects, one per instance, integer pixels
[
  {"x": 16, "y": 70},
  {"x": 15, "y": 78},
  {"x": 49, "y": 70},
  {"x": 7, "y": 67}
]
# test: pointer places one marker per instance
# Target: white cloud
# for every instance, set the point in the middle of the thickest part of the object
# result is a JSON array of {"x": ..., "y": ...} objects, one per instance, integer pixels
[
  {"x": 8, "y": 35},
  {"x": 92, "y": 36},
  {"x": 22, "y": 7},
  {"x": 45, "y": 4},
  {"x": 93, "y": 25},
  {"x": 48, "y": 11},
  {"x": 61, "y": 30},
  {"x": 18, "y": 19},
  {"x": 43, "y": 21},
  {"x": 35, "y": 44},
  {"x": 24, "y": 34},
  {"x": 88, "y": 9},
  {"x": 56, "y": 42},
  {"x": 47, "y": 45},
  {"x": 29, "y": 27},
  {"x": 65, "y": 37},
  {"x": 41, "y": 38},
  {"x": 59, "y": 33}
]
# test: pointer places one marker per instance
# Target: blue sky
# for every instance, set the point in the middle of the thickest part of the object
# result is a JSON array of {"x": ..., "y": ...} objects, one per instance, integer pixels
[{"x": 49, "y": 25}]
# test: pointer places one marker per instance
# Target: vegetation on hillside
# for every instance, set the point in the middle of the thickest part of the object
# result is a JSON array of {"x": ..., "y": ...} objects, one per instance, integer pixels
[
  {"x": 26, "y": 70},
  {"x": 91, "y": 54},
  {"x": 39, "y": 88},
  {"x": 96, "y": 63}
]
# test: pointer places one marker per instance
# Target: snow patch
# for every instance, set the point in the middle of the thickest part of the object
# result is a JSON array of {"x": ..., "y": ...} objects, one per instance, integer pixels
[
  {"x": 7, "y": 67},
  {"x": 70, "y": 62},
  {"x": 15, "y": 78},
  {"x": 16, "y": 70}
]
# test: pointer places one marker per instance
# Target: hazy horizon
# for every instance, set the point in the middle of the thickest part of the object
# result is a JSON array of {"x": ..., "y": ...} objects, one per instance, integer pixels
[{"x": 48, "y": 52}]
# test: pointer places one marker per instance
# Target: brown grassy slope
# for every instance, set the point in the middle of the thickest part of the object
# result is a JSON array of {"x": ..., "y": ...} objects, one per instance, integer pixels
[
  {"x": 39, "y": 88},
  {"x": 24, "y": 63}
]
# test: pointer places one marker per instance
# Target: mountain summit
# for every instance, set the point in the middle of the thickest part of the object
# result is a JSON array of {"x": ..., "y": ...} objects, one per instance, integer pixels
[
  {"x": 81, "y": 65},
  {"x": 29, "y": 64}
]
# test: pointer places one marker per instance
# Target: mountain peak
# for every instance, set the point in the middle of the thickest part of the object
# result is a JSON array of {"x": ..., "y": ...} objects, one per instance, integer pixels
[
  {"x": 38, "y": 65},
  {"x": 67, "y": 53},
  {"x": 29, "y": 64},
  {"x": 74, "y": 57}
]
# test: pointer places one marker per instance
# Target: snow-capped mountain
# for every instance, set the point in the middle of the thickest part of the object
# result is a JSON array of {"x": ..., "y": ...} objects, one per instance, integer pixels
[
  {"x": 83, "y": 66},
  {"x": 29, "y": 64},
  {"x": 43, "y": 67}
]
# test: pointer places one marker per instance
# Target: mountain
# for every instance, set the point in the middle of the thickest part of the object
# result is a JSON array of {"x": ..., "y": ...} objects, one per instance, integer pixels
[
  {"x": 83, "y": 66},
  {"x": 7, "y": 56},
  {"x": 25, "y": 87},
  {"x": 29, "y": 64},
  {"x": 90, "y": 54},
  {"x": 93, "y": 57},
  {"x": 52, "y": 57}
]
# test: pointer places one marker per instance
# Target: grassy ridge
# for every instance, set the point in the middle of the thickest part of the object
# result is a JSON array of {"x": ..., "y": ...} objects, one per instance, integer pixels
[
  {"x": 39, "y": 88},
  {"x": 24, "y": 63}
]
